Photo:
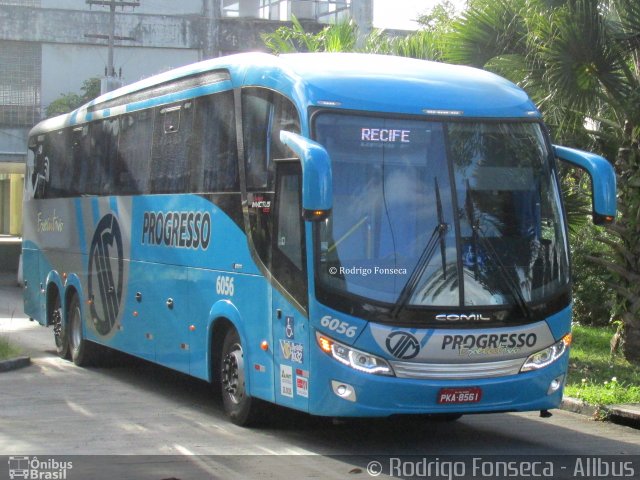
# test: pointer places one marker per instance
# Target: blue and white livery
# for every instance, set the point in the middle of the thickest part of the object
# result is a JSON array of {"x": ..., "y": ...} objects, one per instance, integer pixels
[{"x": 342, "y": 234}]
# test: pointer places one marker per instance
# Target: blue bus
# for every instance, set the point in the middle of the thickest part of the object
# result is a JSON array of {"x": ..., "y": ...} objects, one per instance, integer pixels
[{"x": 342, "y": 234}]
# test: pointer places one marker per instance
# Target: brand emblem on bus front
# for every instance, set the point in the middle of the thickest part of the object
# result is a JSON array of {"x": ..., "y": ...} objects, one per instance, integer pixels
[
  {"x": 402, "y": 345},
  {"x": 462, "y": 317},
  {"x": 105, "y": 274}
]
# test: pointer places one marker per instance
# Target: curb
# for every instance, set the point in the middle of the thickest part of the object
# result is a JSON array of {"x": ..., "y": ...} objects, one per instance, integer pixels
[
  {"x": 625, "y": 414},
  {"x": 628, "y": 415},
  {"x": 578, "y": 406},
  {"x": 14, "y": 363}
]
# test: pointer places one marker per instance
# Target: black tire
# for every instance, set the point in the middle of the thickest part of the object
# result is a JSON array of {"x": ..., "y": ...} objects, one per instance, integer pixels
[
  {"x": 60, "y": 330},
  {"x": 81, "y": 350},
  {"x": 241, "y": 408}
]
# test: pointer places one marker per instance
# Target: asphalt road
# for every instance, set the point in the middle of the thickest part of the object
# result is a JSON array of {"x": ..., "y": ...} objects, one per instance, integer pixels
[{"x": 133, "y": 408}]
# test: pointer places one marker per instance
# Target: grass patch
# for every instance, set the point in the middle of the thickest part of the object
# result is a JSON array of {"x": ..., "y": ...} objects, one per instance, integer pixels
[
  {"x": 596, "y": 376},
  {"x": 7, "y": 350}
]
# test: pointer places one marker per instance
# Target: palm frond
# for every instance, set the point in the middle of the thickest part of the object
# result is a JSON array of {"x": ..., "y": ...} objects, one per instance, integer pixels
[
  {"x": 487, "y": 30},
  {"x": 582, "y": 61}
]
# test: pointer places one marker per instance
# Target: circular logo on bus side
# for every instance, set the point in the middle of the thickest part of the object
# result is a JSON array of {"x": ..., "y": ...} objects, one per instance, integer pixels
[
  {"x": 105, "y": 274},
  {"x": 402, "y": 345}
]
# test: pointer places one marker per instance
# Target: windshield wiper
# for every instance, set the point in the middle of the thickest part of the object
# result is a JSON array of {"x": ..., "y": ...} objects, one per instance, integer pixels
[
  {"x": 438, "y": 234},
  {"x": 477, "y": 236}
]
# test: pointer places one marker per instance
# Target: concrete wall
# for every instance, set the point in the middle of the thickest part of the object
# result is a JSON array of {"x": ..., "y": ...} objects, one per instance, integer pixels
[
  {"x": 64, "y": 26},
  {"x": 158, "y": 7},
  {"x": 13, "y": 141},
  {"x": 86, "y": 61}
]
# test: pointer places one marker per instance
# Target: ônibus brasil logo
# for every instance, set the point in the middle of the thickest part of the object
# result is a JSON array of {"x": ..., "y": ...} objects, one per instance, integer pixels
[
  {"x": 105, "y": 274},
  {"x": 402, "y": 345}
]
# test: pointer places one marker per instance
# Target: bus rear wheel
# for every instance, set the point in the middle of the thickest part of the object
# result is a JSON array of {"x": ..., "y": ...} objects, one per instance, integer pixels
[
  {"x": 60, "y": 330},
  {"x": 81, "y": 349},
  {"x": 240, "y": 407}
]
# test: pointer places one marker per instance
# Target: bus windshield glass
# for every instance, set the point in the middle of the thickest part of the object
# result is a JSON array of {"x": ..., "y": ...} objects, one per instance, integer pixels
[{"x": 440, "y": 214}]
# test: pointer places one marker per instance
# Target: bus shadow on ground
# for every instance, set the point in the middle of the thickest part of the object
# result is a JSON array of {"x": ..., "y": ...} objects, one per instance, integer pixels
[
  {"x": 489, "y": 434},
  {"x": 194, "y": 391}
]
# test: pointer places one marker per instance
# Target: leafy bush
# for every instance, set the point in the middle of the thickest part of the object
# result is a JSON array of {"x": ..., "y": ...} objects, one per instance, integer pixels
[
  {"x": 596, "y": 376},
  {"x": 593, "y": 299}
]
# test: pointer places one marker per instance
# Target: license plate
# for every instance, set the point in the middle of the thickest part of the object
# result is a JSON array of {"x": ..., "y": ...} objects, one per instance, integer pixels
[{"x": 460, "y": 395}]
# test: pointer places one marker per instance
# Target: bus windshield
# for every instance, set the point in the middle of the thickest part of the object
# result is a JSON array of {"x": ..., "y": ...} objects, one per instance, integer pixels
[{"x": 440, "y": 214}]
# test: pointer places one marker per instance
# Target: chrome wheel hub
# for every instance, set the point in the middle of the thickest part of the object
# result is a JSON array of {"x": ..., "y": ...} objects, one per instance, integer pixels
[{"x": 233, "y": 374}]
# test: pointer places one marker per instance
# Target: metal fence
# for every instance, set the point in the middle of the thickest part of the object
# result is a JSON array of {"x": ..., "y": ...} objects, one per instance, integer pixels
[{"x": 21, "y": 65}]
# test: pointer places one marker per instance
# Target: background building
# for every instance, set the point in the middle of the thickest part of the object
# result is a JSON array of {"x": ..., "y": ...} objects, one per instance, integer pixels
[{"x": 50, "y": 47}]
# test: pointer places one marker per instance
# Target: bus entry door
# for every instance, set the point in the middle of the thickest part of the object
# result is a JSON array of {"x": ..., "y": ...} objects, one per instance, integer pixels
[{"x": 289, "y": 297}]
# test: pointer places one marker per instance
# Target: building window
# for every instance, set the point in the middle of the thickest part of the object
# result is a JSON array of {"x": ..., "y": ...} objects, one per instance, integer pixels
[
  {"x": 323, "y": 11},
  {"x": 20, "y": 83},
  {"x": 21, "y": 3}
]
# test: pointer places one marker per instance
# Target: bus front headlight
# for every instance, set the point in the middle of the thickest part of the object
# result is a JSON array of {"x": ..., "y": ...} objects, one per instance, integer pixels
[
  {"x": 356, "y": 359},
  {"x": 547, "y": 356}
]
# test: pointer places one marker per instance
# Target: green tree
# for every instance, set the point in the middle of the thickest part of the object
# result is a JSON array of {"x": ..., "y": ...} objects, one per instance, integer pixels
[
  {"x": 580, "y": 61},
  {"x": 339, "y": 37},
  {"x": 68, "y": 102},
  {"x": 343, "y": 37}
]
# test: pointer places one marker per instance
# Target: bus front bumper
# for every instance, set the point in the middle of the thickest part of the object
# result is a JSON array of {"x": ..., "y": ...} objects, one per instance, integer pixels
[{"x": 340, "y": 391}]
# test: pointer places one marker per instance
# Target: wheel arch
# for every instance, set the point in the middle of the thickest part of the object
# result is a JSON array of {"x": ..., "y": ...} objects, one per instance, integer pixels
[
  {"x": 73, "y": 287},
  {"x": 223, "y": 316},
  {"x": 54, "y": 289}
]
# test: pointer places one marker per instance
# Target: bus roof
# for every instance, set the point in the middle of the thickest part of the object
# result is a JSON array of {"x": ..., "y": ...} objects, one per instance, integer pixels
[
  {"x": 406, "y": 85},
  {"x": 352, "y": 81}
]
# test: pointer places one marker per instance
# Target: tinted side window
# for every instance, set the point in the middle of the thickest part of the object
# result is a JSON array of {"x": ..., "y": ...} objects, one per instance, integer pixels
[
  {"x": 38, "y": 168},
  {"x": 82, "y": 170},
  {"x": 289, "y": 261},
  {"x": 264, "y": 115},
  {"x": 214, "y": 156},
  {"x": 187, "y": 147},
  {"x": 102, "y": 155},
  {"x": 289, "y": 219},
  {"x": 57, "y": 164},
  {"x": 134, "y": 153},
  {"x": 172, "y": 134}
]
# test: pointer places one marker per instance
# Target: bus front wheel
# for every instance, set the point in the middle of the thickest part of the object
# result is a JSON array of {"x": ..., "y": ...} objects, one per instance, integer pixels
[{"x": 240, "y": 407}]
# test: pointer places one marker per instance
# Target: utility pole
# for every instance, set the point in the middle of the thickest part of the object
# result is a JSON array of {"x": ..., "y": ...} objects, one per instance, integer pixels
[
  {"x": 111, "y": 81},
  {"x": 362, "y": 14}
]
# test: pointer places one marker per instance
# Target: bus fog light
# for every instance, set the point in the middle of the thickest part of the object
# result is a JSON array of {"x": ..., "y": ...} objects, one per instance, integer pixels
[
  {"x": 356, "y": 359},
  {"x": 343, "y": 390},
  {"x": 555, "y": 384},
  {"x": 547, "y": 356}
]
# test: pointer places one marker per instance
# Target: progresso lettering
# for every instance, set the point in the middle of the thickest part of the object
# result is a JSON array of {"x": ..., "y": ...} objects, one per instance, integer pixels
[
  {"x": 177, "y": 229},
  {"x": 494, "y": 340}
]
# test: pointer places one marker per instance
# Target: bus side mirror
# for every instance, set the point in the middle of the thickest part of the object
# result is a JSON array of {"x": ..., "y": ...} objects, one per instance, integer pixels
[
  {"x": 603, "y": 181},
  {"x": 317, "y": 193}
]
